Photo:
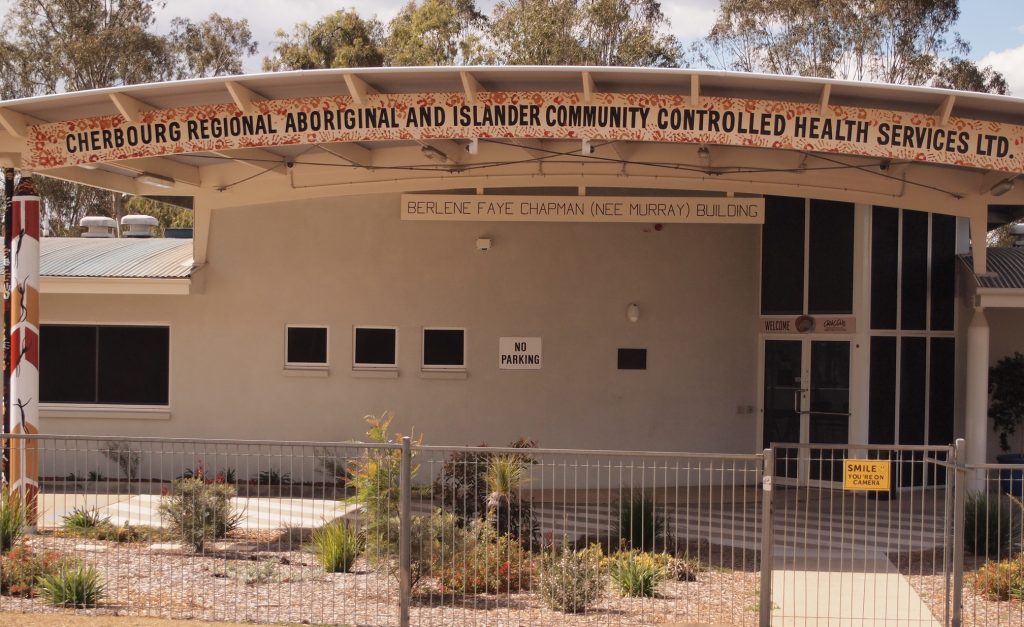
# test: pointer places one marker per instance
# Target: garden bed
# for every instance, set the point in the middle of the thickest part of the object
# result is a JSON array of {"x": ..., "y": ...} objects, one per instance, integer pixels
[{"x": 266, "y": 577}]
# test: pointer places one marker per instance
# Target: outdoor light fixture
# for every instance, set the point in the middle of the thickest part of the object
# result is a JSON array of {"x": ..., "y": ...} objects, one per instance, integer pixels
[
  {"x": 434, "y": 154},
  {"x": 704, "y": 154},
  {"x": 483, "y": 244},
  {"x": 1002, "y": 187},
  {"x": 586, "y": 148},
  {"x": 155, "y": 180},
  {"x": 473, "y": 147},
  {"x": 633, "y": 312}
]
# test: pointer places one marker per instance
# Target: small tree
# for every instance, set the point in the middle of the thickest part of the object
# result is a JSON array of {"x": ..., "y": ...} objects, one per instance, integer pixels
[{"x": 1006, "y": 390}]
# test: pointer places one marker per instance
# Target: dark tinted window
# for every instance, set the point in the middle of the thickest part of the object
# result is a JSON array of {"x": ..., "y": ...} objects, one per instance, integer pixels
[
  {"x": 882, "y": 419},
  {"x": 133, "y": 365},
  {"x": 885, "y": 240},
  {"x": 782, "y": 256},
  {"x": 112, "y": 365},
  {"x": 915, "y": 270},
  {"x": 940, "y": 405},
  {"x": 943, "y": 271},
  {"x": 307, "y": 345},
  {"x": 632, "y": 359},
  {"x": 375, "y": 346},
  {"x": 67, "y": 364},
  {"x": 444, "y": 347},
  {"x": 913, "y": 367},
  {"x": 830, "y": 271}
]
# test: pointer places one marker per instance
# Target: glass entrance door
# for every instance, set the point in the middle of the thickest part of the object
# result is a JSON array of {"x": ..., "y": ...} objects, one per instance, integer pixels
[{"x": 807, "y": 400}]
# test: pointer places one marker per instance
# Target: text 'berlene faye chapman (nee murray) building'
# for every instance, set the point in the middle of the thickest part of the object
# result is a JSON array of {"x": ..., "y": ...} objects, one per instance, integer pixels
[{"x": 588, "y": 257}]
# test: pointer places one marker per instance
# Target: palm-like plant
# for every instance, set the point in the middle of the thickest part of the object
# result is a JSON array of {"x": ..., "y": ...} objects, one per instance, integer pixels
[{"x": 505, "y": 475}]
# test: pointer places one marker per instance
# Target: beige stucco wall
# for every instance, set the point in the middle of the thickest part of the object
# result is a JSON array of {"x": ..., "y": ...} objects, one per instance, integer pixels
[
  {"x": 1006, "y": 336},
  {"x": 351, "y": 261}
]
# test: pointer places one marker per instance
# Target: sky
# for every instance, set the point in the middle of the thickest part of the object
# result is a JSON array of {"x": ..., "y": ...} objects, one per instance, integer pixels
[{"x": 994, "y": 28}]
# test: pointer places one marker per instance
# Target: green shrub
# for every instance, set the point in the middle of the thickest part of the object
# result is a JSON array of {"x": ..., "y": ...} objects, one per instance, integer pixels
[
  {"x": 336, "y": 546},
  {"x": 570, "y": 581},
  {"x": 640, "y": 526},
  {"x": 375, "y": 477},
  {"x": 992, "y": 525},
  {"x": 197, "y": 511},
  {"x": 81, "y": 520},
  {"x": 76, "y": 585},
  {"x": 683, "y": 568},
  {"x": 1002, "y": 580},
  {"x": 21, "y": 568},
  {"x": 272, "y": 477},
  {"x": 12, "y": 519},
  {"x": 252, "y": 574},
  {"x": 476, "y": 559},
  {"x": 637, "y": 574}
]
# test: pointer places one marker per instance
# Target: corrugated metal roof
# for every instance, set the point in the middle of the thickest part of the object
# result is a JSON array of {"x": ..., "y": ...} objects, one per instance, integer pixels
[
  {"x": 1005, "y": 268},
  {"x": 116, "y": 258}
]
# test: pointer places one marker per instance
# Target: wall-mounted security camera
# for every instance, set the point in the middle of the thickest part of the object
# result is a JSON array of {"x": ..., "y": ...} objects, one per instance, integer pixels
[{"x": 483, "y": 244}]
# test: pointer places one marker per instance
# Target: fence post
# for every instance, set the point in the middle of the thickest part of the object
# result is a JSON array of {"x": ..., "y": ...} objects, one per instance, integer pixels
[
  {"x": 767, "y": 537},
  {"x": 959, "y": 489},
  {"x": 405, "y": 533}
]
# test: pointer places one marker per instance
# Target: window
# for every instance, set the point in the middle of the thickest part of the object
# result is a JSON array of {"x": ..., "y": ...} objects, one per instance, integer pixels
[
  {"x": 374, "y": 347},
  {"x": 632, "y": 359},
  {"x": 116, "y": 365},
  {"x": 305, "y": 346},
  {"x": 444, "y": 349}
]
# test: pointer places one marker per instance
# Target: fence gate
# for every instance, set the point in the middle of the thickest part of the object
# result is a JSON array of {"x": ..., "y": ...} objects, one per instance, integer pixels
[{"x": 865, "y": 538}]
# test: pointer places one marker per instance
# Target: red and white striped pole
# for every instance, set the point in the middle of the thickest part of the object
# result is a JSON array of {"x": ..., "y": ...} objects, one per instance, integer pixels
[{"x": 24, "y": 329}]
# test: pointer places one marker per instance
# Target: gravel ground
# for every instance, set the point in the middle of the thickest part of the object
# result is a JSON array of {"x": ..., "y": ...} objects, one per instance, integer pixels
[
  {"x": 978, "y": 609},
  {"x": 291, "y": 588}
]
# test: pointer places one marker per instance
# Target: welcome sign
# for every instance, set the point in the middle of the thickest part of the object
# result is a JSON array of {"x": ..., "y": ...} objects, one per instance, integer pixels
[{"x": 532, "y": 114}]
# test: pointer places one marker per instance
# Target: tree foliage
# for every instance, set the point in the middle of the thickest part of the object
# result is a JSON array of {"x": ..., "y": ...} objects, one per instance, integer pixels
[
  {"x": 438, "y": 32},
  {"x": 72, "y": 45},
  {"x": 893, "y": 41},
  {"x": 341, "y": 39},
  {"x": 584, "y": 32}
]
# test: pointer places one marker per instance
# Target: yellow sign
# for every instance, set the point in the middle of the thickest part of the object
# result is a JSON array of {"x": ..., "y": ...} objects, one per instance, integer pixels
[{"x": 866, "y": 474}]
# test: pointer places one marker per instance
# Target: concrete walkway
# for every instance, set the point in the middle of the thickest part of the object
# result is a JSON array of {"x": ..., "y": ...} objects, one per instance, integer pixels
[
  {"x": 852, "y": 592},
  {"x": 143, "y": 509}
]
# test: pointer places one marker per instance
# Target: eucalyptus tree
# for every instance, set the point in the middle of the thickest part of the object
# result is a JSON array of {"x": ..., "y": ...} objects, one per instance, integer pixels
[
  {"x": 340, "y": 39},
  {"x": 438, "y": 32}
]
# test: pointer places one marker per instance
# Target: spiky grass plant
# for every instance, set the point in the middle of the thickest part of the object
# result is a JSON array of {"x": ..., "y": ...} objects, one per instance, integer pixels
[
  {"x": 637, "y": 574},
  {"x": 82, "y": 520},
  {"x": 336, "y": 546},
  {"x": 77, "y": 585},
  {"x": 12, "y": 519}
]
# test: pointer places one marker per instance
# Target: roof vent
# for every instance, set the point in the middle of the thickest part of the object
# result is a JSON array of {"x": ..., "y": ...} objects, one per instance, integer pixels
[
  {"x": 136, "y": 225},
  {"x": 1017, "y": 231},
  {"x": 98, "y": 226}
]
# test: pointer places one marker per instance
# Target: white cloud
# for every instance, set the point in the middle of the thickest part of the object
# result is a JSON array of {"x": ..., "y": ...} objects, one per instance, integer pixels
[
  {"x": 691, "y": 19},
  {"x": 1011, "y": 63}
]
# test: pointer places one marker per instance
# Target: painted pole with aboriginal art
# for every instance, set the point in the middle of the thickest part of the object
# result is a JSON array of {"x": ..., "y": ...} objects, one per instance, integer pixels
[
  {"x": 5, "y": 453},
  {"x": 24, "y": 329}
]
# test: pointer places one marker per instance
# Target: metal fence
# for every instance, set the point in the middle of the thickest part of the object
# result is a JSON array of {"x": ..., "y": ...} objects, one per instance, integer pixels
[
  {"x": 399, "y": 533},
  {"x": 387, "y": 534}
]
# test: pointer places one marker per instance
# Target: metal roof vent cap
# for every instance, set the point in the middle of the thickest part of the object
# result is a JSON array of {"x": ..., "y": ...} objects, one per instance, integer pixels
[
  {"x": 98, "y": 226},
  {"x": 1017, "y": 230},
  {"x": 137, "y": 225}
]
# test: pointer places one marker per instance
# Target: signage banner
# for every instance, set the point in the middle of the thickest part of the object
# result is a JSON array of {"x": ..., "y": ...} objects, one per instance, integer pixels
[
  {"x": 867, "y": 474},
  {"x": 808, "y": 324},
  {"x": 500, "y": 208},
  {"x": 672, "y": 118},
  {"x": 519, "y": 353}
]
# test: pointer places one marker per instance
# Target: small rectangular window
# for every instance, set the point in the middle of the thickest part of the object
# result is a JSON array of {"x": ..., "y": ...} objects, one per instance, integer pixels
[
  {"x": 374, "y": 347},
  {"x": 444, "y": 349},
  {"x": 306, "y": 346},
  {"x": 632, "y": 359}
]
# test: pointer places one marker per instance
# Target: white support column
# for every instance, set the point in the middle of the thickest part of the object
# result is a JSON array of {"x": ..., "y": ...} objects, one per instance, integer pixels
[
  {"x": 860, "y": 348},
  {"x": 976, "y": 396}
]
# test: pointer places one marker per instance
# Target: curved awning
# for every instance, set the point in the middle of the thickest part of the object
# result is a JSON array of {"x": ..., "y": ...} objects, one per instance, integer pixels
[{"x": 251, "y": 139}]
